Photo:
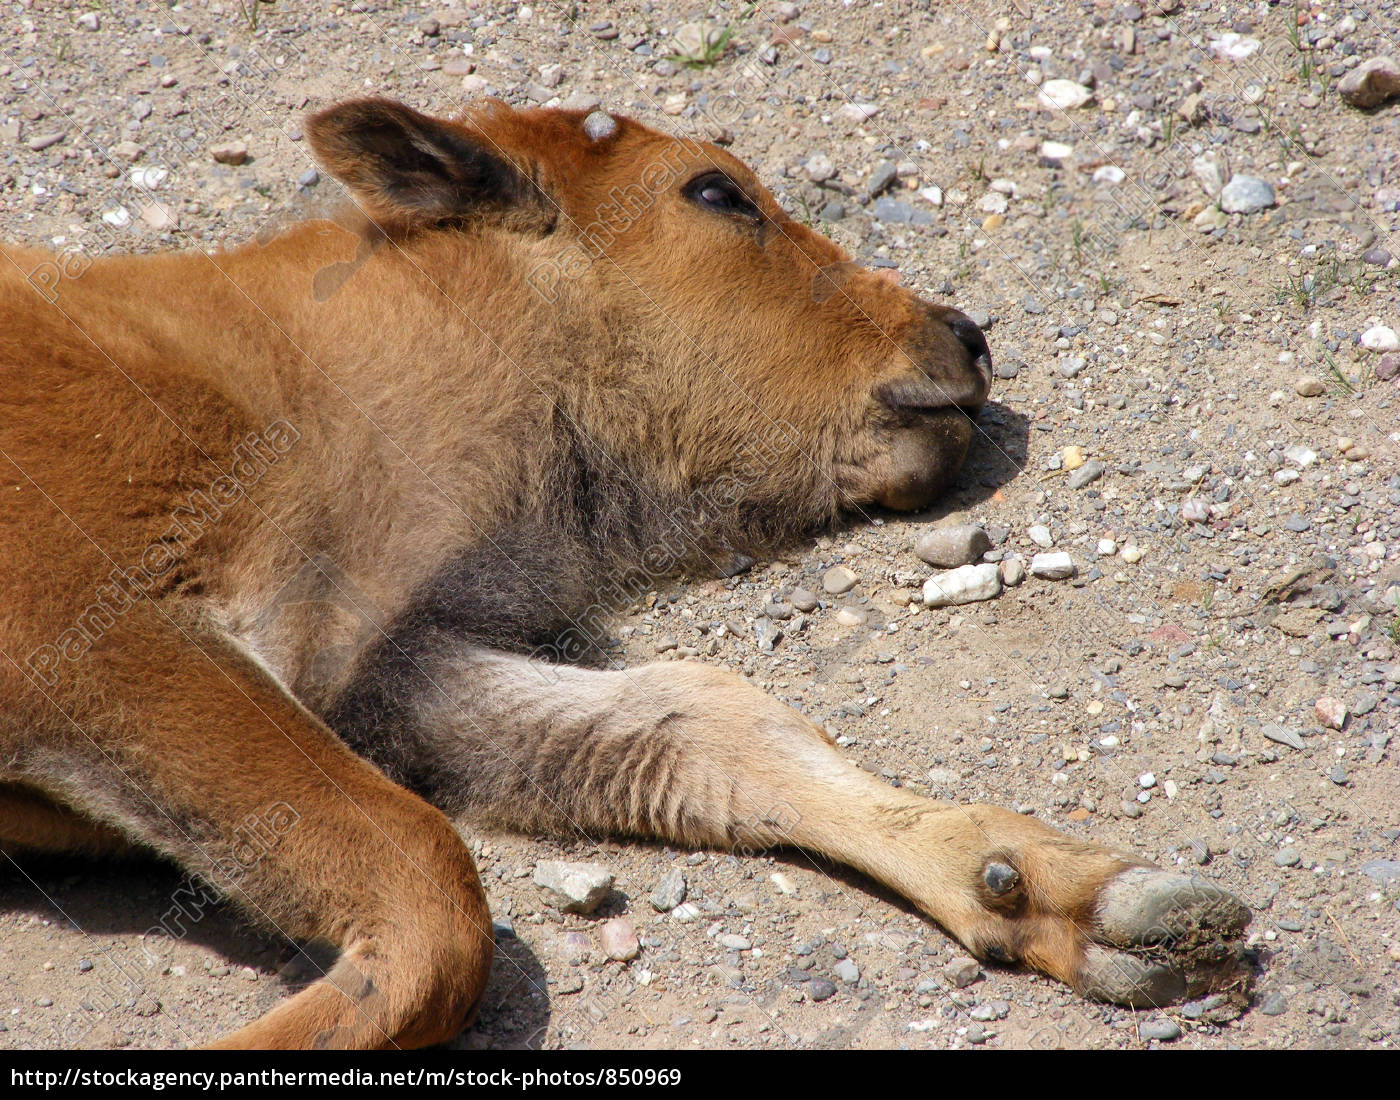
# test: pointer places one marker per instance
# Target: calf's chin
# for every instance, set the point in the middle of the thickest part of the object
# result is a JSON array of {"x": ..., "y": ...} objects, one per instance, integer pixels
[{"x": 924, "y": 457}]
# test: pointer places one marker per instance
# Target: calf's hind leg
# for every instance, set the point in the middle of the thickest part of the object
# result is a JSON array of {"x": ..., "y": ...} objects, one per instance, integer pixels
[
  {"x": 198, "y": 753},
  {"x": 693, "y": 755}
]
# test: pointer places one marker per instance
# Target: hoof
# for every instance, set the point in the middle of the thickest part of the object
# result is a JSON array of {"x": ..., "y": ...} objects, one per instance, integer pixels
[
  {"x": 1179, "y": 937},
  {"x": 1124, "y": 979},
  {"x": 1145, "y": 907}
]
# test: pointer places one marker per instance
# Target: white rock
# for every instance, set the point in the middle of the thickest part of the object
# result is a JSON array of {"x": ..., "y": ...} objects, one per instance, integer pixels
[
  {"x": 573, "y": 887},
  {"x": 1109, "y": 173},
  {"x": 694, "y": 40},
  {"x": 1107, "y": 548},
  {"x": 1040, "y": 535},
  {"x": 858, "y": 112},
  {"x": 1195, "y": 510},
  {"x": 966, "y": 584},
  {"x": 1380, "y": 338},
  {"x": 1055, "y": 150},
  {"x": 992, "y": 202},
  {"x": 1131, "y": 554},
  {"x": 148, "y": 178},
  {"x": 1210, "y": 173},
  {"x": 1063, "y": 95},
  {"x": 1235, "y": 47},
  {"x": 1209, "y": 219},
  {"x": 934, "y": 195},
  {"x": 158, "y": 216},
  {"x": 1052, "y": 567},
  {"x": 1147, "y": 781},
  {"x": 1300, "y": 455}
]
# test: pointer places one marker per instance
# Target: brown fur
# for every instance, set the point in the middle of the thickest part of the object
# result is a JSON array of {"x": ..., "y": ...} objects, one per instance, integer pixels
[{"x": 455, "y": 418}]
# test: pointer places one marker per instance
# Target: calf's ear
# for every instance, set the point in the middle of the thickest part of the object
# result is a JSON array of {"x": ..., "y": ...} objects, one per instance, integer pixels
[{"x": 403, "y": 165}]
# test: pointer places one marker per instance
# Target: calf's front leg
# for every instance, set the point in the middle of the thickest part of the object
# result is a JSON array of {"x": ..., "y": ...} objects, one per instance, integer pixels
[{"x": 695, "y": 756}]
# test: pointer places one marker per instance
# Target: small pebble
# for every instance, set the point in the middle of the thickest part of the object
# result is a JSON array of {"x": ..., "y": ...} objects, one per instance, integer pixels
[
  {"x": 838, "y": 580},
  {"x": 619, "y": 940},
  {"x": 1052, "y": 567},
  {"x": 962, "y": 971},
  {"x": 947, "y": 547}
]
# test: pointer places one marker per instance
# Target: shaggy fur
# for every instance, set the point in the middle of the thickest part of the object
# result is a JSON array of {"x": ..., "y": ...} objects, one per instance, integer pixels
[{"x": 296, "y": 529}]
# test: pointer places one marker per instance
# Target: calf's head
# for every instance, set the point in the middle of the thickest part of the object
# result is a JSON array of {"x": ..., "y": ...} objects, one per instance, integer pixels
[{"x": 696, "y": 315}]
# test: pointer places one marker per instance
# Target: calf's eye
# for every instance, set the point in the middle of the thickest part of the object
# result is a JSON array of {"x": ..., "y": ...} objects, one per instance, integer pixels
[{"x": 721, "y": 194}]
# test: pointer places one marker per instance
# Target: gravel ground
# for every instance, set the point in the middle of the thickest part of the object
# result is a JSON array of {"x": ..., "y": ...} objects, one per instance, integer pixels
[{"x": 1196, "y": 401}]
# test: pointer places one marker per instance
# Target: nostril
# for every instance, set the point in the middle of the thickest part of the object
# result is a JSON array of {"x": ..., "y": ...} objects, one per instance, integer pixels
[{"x": 968, "y": 332}]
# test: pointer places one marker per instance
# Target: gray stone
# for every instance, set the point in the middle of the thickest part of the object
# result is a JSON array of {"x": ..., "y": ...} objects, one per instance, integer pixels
[
  {"x": 847, "y": 971},
  {"x": 1091, "y": 471},
  {"x": 1275, "y": 1004},
  {"x": 893, "y": 211},
  {"x": 1247, "y": 195},
  {"x": 883, "y": 175},
  {"x": 820, "y": 168},
  {"x": 1382, "y": 871},
  {"x": 820, "y": 989},
  {"x": 804, "y": 600},
  {"x": 962, "y": 971},
  {"x": 947, "y": 547},
  {"x": 573, "y": 887},
  {"x": 1160, "y": 1029},
  {"x": 669, "y": 891},
  {"x": 1283, "y": 736}
]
